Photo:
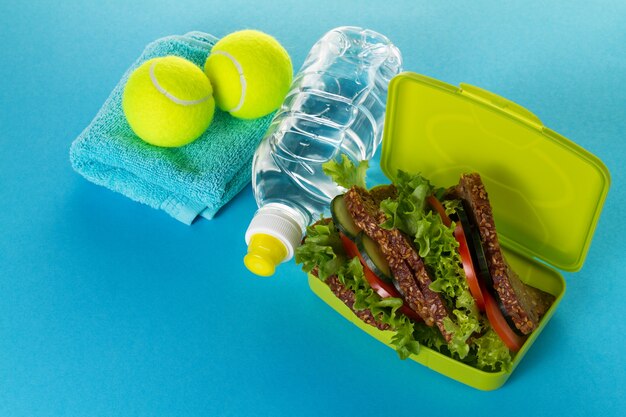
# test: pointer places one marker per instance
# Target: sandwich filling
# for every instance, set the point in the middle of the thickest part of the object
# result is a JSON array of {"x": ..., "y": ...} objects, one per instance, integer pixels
[{"x": 426, "y": 299}]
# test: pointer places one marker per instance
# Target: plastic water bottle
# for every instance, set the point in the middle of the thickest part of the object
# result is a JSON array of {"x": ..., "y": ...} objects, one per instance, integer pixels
[{"x": 336, "y": 104}]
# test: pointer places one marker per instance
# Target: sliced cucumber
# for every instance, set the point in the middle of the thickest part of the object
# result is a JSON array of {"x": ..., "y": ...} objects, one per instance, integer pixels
[
  {"x": 373, "y": 257},
  {"x": 342, "y": 218},
  {"x": 481, "y": 259},
  {"x": 475, "y": 246}
]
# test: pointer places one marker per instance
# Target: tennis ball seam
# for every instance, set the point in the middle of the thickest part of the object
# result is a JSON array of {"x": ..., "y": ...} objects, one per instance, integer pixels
[
  {"x": 242, "y": 79},
  {"x": 171, "y": 96}
]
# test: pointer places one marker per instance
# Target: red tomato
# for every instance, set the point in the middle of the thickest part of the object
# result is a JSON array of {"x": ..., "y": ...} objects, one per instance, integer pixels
[
  {"x": 464, "y": 251},
  {"x": 468, "y": 267},
  {"x": 382, "y": 288},
  {"x": 349, "y": 246},
  {"x": 436, "y": 204},
  {"x": 512, "y": 340}
]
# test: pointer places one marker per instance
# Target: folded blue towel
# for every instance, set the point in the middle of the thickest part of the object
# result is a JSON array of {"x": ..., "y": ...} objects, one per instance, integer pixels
[{"x": 196, "y": 179}]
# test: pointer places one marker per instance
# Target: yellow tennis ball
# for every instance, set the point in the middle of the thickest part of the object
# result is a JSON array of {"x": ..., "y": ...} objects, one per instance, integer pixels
[
  {"x": 168, "y": 101},
  {"x": 251, "y": 73}
]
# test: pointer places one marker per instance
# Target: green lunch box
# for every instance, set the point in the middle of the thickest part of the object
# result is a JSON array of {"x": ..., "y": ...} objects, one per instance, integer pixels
[{"x": 547, "y": 192}]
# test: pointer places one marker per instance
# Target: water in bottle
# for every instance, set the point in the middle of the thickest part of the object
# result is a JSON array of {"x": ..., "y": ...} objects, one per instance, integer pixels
[{"x": 336, "y": 105}]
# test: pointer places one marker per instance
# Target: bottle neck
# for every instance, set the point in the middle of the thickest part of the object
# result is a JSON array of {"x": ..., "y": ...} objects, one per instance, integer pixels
[{"x": 281, "y": 222}]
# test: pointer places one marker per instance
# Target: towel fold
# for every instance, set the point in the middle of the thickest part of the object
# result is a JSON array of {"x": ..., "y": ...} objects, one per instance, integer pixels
[{"x": 196, "y": 179}]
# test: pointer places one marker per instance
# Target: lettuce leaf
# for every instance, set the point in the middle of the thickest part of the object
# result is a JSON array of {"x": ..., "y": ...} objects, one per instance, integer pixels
[
  {"x": 323, "y": 245},
  {"x": 405, "y": 212},
  {"x": 345, "y": 173},
  {"x": 322, "y": 249},
  {"x": 491, "y": 353}
]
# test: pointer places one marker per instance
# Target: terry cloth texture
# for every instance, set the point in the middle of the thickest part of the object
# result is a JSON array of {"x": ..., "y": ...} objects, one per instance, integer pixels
[{"x": 196, "y": 179}]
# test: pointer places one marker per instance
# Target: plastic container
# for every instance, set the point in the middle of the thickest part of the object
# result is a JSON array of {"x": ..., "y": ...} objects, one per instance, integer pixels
[
  {"x": 336, "y": 105},
  {"x": 535, "y": 179}
]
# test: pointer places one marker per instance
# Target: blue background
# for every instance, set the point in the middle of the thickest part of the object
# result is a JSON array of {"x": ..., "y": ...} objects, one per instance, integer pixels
[{"x": 110, "y": 308}]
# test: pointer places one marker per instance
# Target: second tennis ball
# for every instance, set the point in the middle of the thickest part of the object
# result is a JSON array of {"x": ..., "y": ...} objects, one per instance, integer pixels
[
  {"x": 250, "y": 73},
  {"x": 168, "y": 101}
]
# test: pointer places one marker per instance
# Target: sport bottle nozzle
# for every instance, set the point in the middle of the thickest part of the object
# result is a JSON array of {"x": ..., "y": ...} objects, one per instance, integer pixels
[
  {"x": 265, "y": 252},
  {"x": 272, "y": 237}
]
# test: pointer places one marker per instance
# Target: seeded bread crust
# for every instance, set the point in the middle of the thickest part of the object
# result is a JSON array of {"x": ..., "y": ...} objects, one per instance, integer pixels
[{"x": 347, "y": 296}]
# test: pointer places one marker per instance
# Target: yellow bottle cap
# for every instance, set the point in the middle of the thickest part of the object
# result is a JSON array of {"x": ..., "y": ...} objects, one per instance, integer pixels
[{"x": 265, "y": 252}]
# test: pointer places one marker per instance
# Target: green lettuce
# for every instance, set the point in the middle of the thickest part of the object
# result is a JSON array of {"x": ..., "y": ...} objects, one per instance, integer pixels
[
  {"x": 345, "y": 173},
  {"x": 491, "y": 353},
  {"x": 322, "y": 249},
  {"x": 405, "y": 212}
]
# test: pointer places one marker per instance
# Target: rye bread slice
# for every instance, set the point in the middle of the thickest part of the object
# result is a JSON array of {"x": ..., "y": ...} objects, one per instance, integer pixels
[{"x": 523, "y": 304}]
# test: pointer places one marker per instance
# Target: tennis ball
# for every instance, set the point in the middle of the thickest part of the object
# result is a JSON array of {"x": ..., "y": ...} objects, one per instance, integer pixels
[
  {"x": 250, "y": 72},
  {"x": 168, "y": 101}
]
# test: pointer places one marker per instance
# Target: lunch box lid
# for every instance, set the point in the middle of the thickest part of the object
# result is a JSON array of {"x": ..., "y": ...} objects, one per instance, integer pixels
[{"x": 546, "y": 191}]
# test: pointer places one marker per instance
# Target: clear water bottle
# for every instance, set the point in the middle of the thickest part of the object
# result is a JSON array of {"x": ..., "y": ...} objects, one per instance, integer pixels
[{"x": 336, "y": 105}]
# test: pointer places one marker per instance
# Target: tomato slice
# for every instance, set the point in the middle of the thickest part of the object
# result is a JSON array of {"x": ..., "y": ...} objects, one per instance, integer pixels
[
  {"x": 464, "y": 251},
  {"x": 382, "y": 288},
  {"x": 512, "y": 340},
  {"x": 349, "y": 246},
  {"x": 468, "y": 267},
  {"x": 436, "y": 204}
]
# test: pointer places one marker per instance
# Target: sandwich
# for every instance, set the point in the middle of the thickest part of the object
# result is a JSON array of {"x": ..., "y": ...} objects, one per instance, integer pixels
[{"x": 425, "y": 263}]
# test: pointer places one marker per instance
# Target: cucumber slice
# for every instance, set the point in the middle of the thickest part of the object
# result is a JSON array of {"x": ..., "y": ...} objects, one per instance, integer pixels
[
  {"x": 475, "y": 246},
  {"x": 373, "y": 257},
  {"x": 342, "y": 219},
  {"x": 483, "y": 268}
]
